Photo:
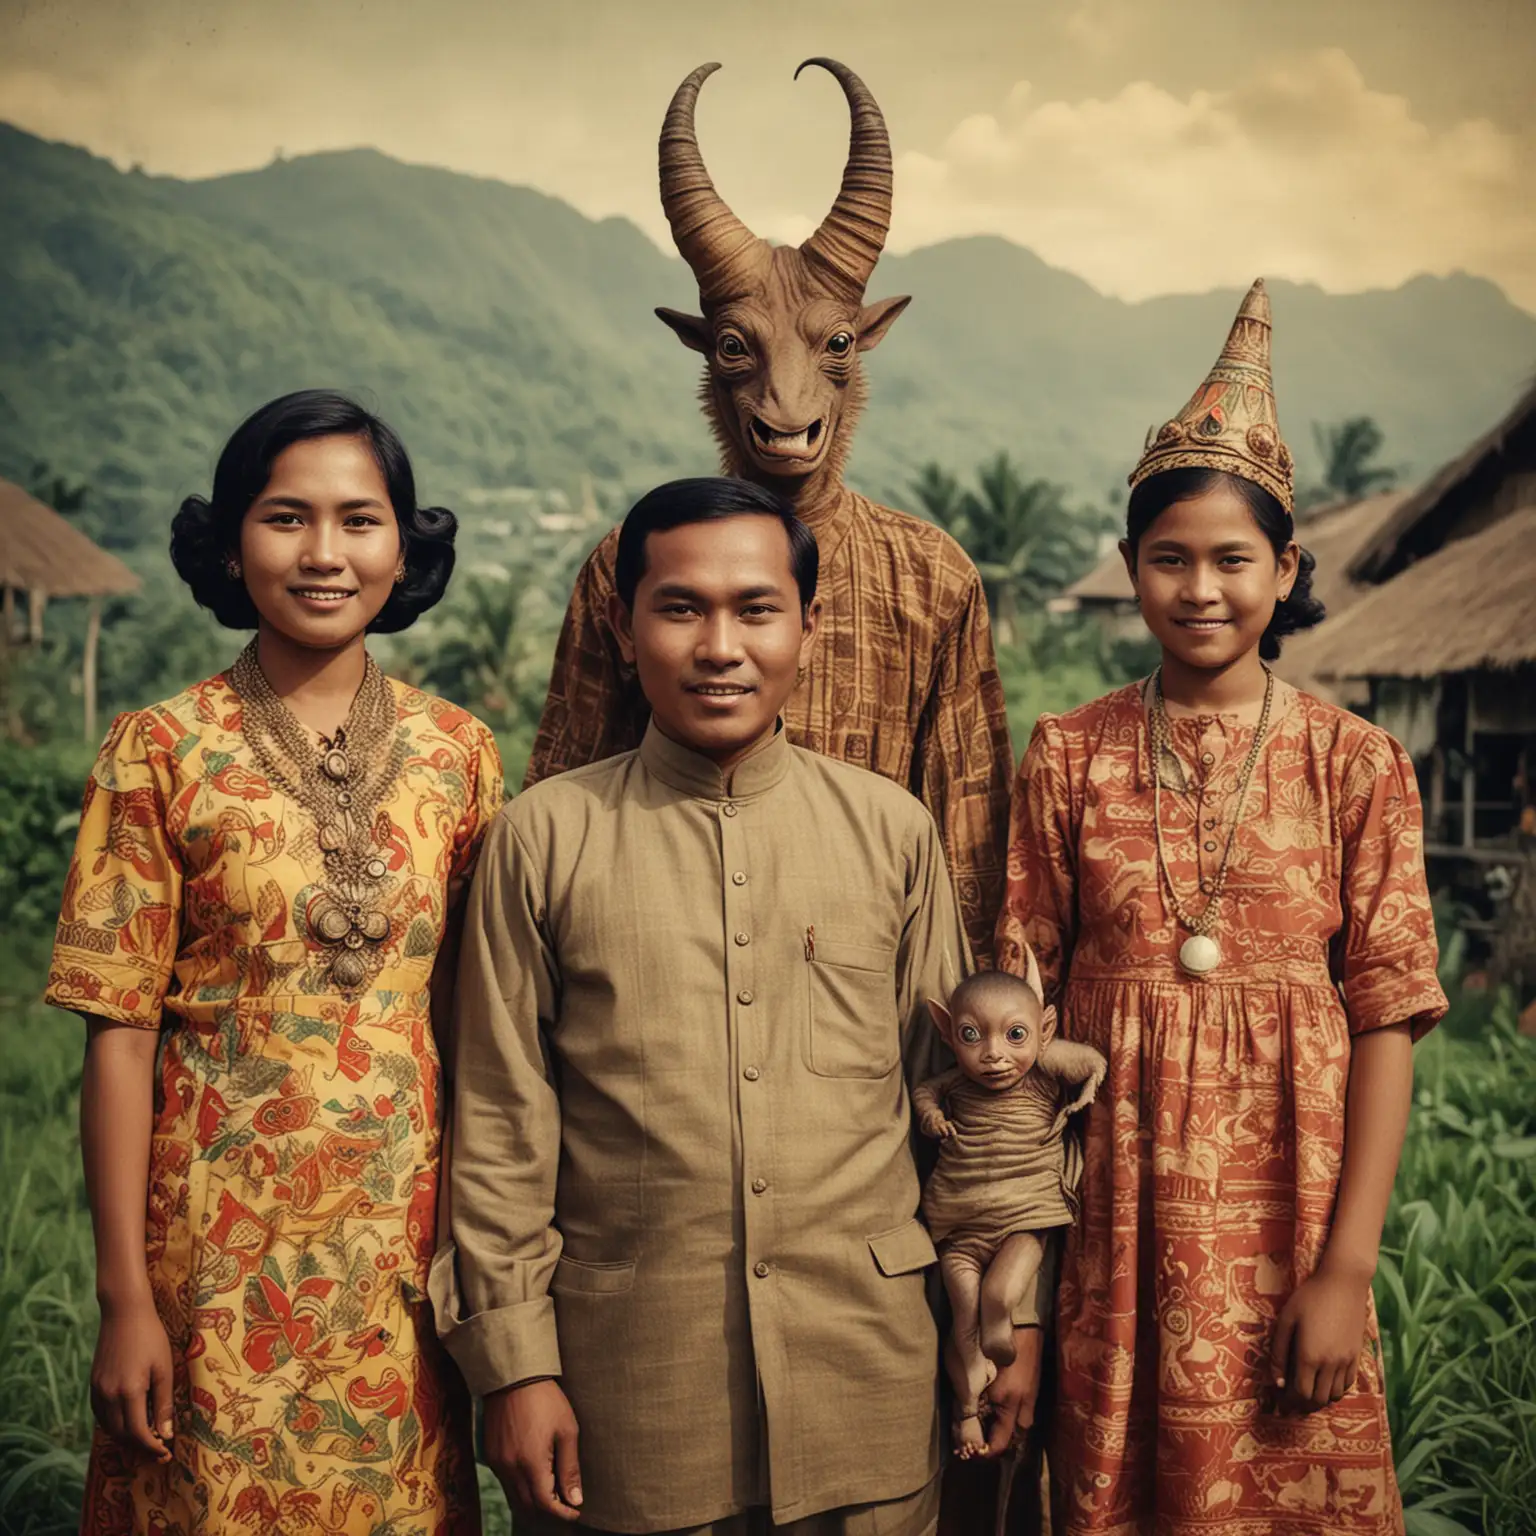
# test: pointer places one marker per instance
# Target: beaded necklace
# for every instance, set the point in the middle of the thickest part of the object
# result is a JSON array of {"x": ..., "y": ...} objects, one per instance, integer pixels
[{"x": 341, "y": 786}]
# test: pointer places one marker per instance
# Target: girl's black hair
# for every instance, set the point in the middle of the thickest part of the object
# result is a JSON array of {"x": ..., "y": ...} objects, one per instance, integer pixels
[
  {"x": 703, "y": 500},
  {"x": 205, "y": 533},
  {"x": 1157, "y": 493}
]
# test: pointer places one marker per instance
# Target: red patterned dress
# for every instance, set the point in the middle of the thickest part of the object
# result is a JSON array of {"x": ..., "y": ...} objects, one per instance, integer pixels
[
  {"x": 1214, "y": 1149},
  {"x": 294, "y": 1159}
]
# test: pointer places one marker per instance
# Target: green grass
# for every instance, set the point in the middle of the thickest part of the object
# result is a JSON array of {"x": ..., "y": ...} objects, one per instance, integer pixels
[{"x": 1456, "y": 1291}]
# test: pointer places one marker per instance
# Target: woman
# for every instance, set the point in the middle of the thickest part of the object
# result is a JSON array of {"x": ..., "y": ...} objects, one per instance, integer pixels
[
  {"x": 1222, "y": 878},
  {"x": 266, "y": 868}
]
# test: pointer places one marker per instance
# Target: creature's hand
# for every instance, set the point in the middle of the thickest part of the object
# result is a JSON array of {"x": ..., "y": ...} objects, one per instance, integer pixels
[
  {"x": 1091, "y": 1085},
  {"x": 1318, "y": 1339},
  {"x": 530, "y": 1444},
  {"x": 131, "y": 1377},
  {"x": 1011, "y": 1396},
  {"x": 932, "y": 1122}
]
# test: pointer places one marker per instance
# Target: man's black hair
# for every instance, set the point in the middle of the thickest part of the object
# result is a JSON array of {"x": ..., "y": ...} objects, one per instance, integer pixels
[{"x": 704, "y": 500}]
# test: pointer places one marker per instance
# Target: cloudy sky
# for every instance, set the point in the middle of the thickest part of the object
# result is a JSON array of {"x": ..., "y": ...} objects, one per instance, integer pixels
[{"x": 1151, "y": 146}]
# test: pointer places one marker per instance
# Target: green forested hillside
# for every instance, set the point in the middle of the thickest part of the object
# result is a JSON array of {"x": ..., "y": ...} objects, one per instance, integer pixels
[{"x": 512, "y": 339}]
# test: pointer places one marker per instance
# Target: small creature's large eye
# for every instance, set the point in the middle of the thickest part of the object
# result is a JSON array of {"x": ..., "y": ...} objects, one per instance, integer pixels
[
  {"x": 1018, "y": 1035},
  {"x": 838, "y": 343},
  {"x": 732, "y": 346},
  {"x": 970, "y": 1034}
]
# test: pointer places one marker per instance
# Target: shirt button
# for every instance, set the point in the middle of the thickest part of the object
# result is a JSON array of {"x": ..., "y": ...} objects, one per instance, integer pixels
[
  {"x": 1210, "y": 847},
  {"x": 759, "y": 1185},
  {"x": 760, "y": 1269},
  {"x": 1207, "y": 757},
  {"x": 739, "y": 878},
  {"x": 1210, "y": 821},
  {"x": 727, "y": 809},
  {"x": 744, "y": 996},
  {"x": 751, "y": 1074},
  {"x": 743, "y": 938}
]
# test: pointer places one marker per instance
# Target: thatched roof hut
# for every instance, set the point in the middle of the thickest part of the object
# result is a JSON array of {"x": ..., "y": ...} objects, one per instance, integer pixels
[
  {"x": 44, "y": 556},
  {"x": 1493, "y": 477},
  {"x": 1469, "y": 606}
]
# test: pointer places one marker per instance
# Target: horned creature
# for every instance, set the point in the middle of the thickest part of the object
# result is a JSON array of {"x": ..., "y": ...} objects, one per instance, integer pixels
[
  {"x": 903, "y": 680},
  {"x": 1006, "y": 1174}
]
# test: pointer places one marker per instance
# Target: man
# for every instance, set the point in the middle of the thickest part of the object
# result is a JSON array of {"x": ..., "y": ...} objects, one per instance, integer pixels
[{"x": 690, "y": 1004}]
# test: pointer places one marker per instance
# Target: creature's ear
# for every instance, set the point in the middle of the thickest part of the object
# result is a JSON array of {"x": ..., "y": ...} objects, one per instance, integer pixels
[
  {"x": 1047, "y": 1027},
  {"x": 1032, "y": 974},
  {"x": 622, "y": 623},
  {"x": 946, "y": 1025},
  {"x": 691, "y": 330},
  {"x": 876, "y": 319}
]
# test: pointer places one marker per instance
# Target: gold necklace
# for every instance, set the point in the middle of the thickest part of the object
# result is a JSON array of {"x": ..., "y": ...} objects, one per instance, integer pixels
[
  {"x": 1199, "y": 953},
  {"x": 335, "y": 785}
]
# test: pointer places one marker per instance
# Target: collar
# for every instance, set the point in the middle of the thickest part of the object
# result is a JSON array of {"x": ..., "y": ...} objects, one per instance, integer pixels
[{"x": 694, "y": 774}]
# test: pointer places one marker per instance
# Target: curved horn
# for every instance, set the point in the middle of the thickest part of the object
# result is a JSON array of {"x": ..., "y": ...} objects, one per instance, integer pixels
[
  {"x": 719, "y": 248},
  {"x": 852, "y": 235}
]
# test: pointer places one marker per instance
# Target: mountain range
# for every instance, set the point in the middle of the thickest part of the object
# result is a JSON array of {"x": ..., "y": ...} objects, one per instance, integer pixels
[{"x": 511, "y": 340}]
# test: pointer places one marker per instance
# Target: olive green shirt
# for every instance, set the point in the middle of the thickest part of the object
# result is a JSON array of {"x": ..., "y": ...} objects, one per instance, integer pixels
[{"x": 688, "y": 1014}]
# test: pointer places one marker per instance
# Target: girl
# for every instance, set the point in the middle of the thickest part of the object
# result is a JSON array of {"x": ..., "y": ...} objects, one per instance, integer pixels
[
  {"x": 265, "y": 871},
  {"x": 1222, "y": 878}
]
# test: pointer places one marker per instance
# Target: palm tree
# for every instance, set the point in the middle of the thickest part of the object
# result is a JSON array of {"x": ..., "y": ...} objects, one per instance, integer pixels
[
  {"x": 1026, "y": 542},
  {"x": 1346, "y": 450},
  {"x": 485, "y": 656}
]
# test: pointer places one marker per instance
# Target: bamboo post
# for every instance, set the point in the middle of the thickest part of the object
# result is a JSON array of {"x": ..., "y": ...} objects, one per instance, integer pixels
[
  {"x": 88, "y": 671},
  {"x": 1469, "y": 778},
  {"x": 37, "y": 600}
]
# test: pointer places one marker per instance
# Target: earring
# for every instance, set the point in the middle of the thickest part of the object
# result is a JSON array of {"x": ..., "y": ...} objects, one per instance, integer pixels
[
  {"x": 232, "y": 568},
  {"x": 799, "y": 676},
  {"x": 400, "y": 574}
]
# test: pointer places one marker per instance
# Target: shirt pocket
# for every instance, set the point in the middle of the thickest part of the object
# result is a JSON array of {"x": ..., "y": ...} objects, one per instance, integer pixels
[{"x": 851, "y": 1025}]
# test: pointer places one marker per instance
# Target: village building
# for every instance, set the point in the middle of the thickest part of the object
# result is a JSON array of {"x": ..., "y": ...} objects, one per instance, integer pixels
[
  {"x": 44, "y": 556},
  {"x": 1443, "y": 641}
]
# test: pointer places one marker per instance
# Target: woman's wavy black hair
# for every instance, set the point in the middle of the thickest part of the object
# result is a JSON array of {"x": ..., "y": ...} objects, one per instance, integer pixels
[
  {"x": 205, "y": 533},
  {"x": 1157, "y": 493}
]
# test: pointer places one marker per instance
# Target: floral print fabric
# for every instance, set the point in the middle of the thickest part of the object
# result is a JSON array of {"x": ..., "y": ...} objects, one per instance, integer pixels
[{"x": 294, "y": 1159}]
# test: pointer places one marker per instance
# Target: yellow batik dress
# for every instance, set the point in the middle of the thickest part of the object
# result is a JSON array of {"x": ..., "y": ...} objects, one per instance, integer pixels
[{"x": 294, "y": 1158}]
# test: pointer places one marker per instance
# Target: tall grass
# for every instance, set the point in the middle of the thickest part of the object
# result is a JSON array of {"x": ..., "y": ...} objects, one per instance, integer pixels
[{"x": 1456, "y": 1291}]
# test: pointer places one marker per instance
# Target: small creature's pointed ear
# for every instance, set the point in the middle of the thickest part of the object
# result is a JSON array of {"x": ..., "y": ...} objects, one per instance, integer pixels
[
  {"x": 691, "y": 330},
  {"x": 941, "y": 1018},
  {"x": 876, "y": 319},
  {"x": 1032, "y": 974},
  {"x": 1047, "y": 1027}
]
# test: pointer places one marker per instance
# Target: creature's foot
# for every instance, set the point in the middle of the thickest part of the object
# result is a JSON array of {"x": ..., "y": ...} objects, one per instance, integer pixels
[
  {"x": 997, "y": 1341},
  {"x": 969, "y": 1440}
]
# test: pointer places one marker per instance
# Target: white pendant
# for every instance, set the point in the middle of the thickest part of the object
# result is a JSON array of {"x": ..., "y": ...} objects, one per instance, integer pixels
[{"x": 1199, "y": 953}]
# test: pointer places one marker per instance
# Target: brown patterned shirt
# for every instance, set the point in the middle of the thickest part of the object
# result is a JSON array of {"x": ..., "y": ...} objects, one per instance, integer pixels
[{"x": 903, "y": 681}]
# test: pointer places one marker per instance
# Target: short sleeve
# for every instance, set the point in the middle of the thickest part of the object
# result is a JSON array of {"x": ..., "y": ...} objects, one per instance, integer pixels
[
  {"x": 1389, "y": 952},
  {"x": 487, "y": 793},
  {"x": 121, "y": 916}
]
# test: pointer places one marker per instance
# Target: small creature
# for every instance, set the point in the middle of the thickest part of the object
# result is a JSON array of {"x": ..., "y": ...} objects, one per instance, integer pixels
[{"x": 1005, "y": 1173}]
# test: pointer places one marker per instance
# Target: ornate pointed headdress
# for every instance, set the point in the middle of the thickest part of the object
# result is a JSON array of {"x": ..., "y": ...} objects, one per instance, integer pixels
[{"x": 1230, "y": 422}]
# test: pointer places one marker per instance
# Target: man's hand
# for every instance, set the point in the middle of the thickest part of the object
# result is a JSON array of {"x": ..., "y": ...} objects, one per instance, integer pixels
[
  {"x": 530, "y": 1444},
  {"x": 1318, "y": 1339},
  {"x": 1011, "y": 1397}
]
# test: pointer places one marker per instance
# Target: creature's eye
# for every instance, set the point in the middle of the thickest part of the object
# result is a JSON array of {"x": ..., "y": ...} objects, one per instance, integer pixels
[
  {"x": 839, "y": 343},
  {"x": 732, "y": 346},
  {"x": 1018, "y": 1035},
  {"x": 970, "y": 1034}
]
